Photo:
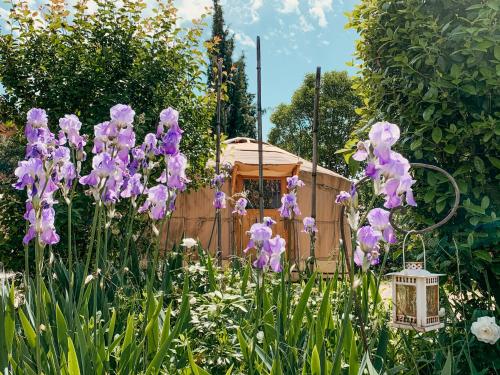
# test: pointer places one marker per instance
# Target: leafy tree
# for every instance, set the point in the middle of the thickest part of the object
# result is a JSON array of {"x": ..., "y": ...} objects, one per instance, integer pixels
[
  {"x": 293, "y": 122},
  {"x": 70, "y": 60},
  {"x": 433, "y": 68},
  {"x": 238, "y": 112},
  {"x": 242, "y": 110}
]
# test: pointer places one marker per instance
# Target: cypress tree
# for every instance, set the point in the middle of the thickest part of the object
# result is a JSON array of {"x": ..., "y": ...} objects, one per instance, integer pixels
[{"x": 238, "y": 112}]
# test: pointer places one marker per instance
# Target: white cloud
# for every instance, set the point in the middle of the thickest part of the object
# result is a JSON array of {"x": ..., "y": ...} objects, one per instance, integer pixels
[
  {"x": 305, "y": 26},
  {"x": 319, "y": 8},
  {"x": 244, "y": 39},
  {"x": 289, "y": 6},
  {"x": 255, "y": 6},
  {"x": 192, "y": 9}
]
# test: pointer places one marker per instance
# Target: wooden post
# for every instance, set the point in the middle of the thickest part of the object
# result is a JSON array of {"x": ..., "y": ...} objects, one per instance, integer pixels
[
  {"x": 315, "y": 125},
  {"x": 259, "y": 130},
  {"x": 218, "y": 252}
]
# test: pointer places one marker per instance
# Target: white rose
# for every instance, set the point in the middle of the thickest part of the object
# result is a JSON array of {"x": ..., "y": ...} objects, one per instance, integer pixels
[
  {"x": 486, "y": 330},
  {"x": 188, "y": 243}
]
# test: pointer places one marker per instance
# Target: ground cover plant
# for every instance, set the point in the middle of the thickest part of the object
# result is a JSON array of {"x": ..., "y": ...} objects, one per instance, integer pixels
[{"x": 121, "y": 310}]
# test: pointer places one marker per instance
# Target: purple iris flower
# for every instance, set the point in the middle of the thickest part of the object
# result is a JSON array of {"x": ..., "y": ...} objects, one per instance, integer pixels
[
  {"x": 382, "y": 136},
  {"x": 168, "y": 117},
  {"x": 156, "y": 202},
  {"x": 379, "y": 221},
  {"x": 217, "y": 180},
  {"x": 371, "y": 258},
  {"x": 122, "y": 114},
  {"x": 268, "y": 221},
  {"x": 363, "y": 149},
  {"x": 294, "y": 182},
  {"x": 27, "y": 171},
  {"x": 368, "y": 239},
  {"x": 171, "y": 141},
  {"x": 132, "y": 186},
  {"x": 269, "y": 249},
  {"x": 276, "y": 248},
  {"x": 44, "y": 227},
  {"x": 219, "y": 200},
  {"x": 309, "y": 225},
  {"x": 37, "y": 118},
  {"x": 240, "y": 207},
  {"x": 289, "y": 206},
  {"x": 177, "y": 171},
  {"x": 344, "y": 196}
]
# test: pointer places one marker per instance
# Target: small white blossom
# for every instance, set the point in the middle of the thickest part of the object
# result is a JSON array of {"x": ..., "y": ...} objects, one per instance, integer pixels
[
  {"x": 188, "y": 243},
  {"x": 260, "y": 336},
  {"x": 486, "y": 330}
]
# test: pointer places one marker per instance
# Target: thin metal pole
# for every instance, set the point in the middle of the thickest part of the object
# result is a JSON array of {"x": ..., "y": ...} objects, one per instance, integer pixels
[
  {"x": 217, "y": 160},
  {"x": 315, "y": 160},
  {"x": 259, "y": 130}
]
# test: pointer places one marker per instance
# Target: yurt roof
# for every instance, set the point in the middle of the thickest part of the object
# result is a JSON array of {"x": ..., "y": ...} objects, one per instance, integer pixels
[{"x": 245, "y": 150}]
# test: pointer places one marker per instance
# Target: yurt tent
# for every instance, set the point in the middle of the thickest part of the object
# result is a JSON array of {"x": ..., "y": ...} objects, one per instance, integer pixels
[{"x": 195, "y": 216}]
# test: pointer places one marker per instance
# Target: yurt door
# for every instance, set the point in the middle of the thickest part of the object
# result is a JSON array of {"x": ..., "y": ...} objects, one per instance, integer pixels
[{"x": 274, "y": 187}]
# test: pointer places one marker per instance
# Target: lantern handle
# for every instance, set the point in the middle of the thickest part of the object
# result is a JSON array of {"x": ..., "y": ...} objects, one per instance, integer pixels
[
  {"x": 447, "y": 217},
  {"x": 404, "y": 245}
]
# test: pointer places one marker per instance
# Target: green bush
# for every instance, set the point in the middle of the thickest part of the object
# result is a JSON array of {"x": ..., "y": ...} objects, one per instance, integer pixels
[{"x": 433, "y": 67}]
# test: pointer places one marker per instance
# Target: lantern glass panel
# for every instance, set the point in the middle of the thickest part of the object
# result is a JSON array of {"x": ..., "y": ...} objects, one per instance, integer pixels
[
  {"x": 406, "y": 300},
  {"x": 432, "y": 300}
]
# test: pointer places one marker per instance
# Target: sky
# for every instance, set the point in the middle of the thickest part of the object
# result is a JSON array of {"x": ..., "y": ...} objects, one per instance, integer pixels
[{"x": 296, "y": 37}]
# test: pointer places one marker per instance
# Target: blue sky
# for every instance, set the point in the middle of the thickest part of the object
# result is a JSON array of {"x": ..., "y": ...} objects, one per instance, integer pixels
[{"x": 296, "y": 36}]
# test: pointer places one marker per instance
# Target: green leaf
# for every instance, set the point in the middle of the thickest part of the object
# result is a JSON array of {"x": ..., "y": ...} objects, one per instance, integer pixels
[
  {"x": 484, "y": 255},
  {"x": 496, "y": 52},
  {"x": 479, "y": 164},
  {"x": 428, "y": 113},
  {"x": 448, "y": 365},
  {"x": 450, "y": 148},
  {"x": 62, "y": 329},
  {"x": 495, "y": 161},
  {"x": 315, "y": 362},
  {"x": 437, "y": 134},
  {"x": 353, "y": 358},
  {"x": 485, "y": 202},
  {"x": 29, "y": 332},
  {"x": 298, "y": 313},
  {"x": 73, "y": 367}
]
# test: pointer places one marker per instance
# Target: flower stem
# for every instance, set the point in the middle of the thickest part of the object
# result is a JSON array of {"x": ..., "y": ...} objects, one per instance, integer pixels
[
  {"x": 39, "y": 300},
  {"x": 89, "y": 253}
]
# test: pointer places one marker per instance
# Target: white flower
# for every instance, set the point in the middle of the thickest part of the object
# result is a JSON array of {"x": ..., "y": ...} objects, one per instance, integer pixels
[
  {"x": 88, "y": 279},
  {"x": 486, "y": 330},
  {"x": 260, "y": 336},
  {"x": 188, "y": 243}
]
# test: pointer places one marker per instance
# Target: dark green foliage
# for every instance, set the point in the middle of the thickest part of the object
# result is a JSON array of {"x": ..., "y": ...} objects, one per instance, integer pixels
[
  {"x": 293, "y": 122},
  {"x": 84, "y": 64},
  {"x": 434, "y": 68},
  {"x": 238, "y": 110},
  {"x": 12, "y": 224}
]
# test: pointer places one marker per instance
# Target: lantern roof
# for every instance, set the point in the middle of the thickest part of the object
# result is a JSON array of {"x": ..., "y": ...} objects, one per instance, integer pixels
[{"x": 414, "y": 273}]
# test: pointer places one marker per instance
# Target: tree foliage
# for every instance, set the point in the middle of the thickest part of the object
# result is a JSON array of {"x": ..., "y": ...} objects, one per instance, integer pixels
[
  {"x": 71, "y": 60},
  {"x": 293, "y": 122},
  {"x": 434, "y": 68},
  {"x": 238, "y": 110},
  {"x": 82, "y": 61}
]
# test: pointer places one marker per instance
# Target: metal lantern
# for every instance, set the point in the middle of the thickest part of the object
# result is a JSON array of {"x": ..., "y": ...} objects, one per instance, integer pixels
[
  {"x": 415, "y": 298},
  {"x": 415, "y": 291}
]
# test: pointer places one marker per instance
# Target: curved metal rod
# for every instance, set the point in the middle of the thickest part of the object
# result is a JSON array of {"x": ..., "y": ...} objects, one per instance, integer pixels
[
  {"x": 447, "y": 217},
  {"x": 404, "y": 208}
]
